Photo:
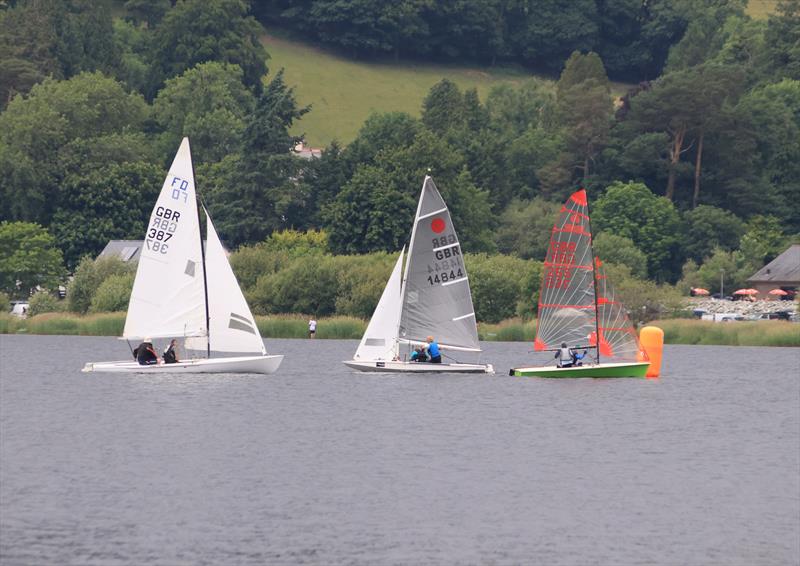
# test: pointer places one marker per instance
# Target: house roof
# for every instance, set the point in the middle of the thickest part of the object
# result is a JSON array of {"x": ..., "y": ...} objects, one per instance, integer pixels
[
  {"x": 784, "y": 269},
  {"x": 126, "y": 250},
  {"x": 305, "y": 152}
]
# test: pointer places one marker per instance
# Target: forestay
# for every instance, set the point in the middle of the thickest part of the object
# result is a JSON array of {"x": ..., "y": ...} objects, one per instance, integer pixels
[
  {"x": 380, "y": 339},
  {"x": 168, "y": 296},
  {"x": 436, "y": 293}
]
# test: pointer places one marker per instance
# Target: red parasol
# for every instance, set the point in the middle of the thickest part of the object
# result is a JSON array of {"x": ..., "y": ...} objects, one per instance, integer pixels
[
  {"x": 780, "y": 292},
  {"x": 746, "y": 292},
  {"x": 699, "y": 291}
]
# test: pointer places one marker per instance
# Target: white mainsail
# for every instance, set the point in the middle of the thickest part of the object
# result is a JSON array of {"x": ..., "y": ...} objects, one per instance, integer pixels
[
  {"x": 436, "y": 294},
  {"x": 380, "y": 340},
  {"x": 168, "y": 297},
  {"x": 232, "y": 327}
]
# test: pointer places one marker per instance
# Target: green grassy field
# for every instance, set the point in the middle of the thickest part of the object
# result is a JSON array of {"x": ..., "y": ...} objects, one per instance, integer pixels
[
  {"x": 344, "y": 92},
  {"x": 761, "y": 8}
]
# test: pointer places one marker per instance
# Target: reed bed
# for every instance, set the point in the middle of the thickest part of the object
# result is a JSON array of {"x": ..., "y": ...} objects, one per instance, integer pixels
[
  {"x": 510, "y": 330},
  {"x": 10, "y": 324},
  {"x": 743, "y": 333},
  {"x": 102, "y": 324},
  {"x": 296, "y": 326},
  {"x": 676, "y": 331}
]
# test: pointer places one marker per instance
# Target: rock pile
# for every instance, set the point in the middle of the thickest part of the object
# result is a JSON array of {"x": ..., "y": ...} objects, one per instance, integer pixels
[{"x": 744, "y": 308}]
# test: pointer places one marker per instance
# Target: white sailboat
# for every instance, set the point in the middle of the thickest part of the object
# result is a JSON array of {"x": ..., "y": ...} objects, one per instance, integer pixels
[
  {"x": 432, "y": 298},
  {"x": 182, "y": 292}
]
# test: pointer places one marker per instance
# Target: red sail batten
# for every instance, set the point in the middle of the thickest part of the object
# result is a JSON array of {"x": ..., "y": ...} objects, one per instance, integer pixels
[
  {"x": 573, "y": 229},
  {"x": 556, "y": 264}
]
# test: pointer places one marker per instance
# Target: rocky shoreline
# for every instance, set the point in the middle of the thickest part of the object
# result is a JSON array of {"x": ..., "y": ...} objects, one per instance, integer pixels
[{"x": 744, "y": 308}]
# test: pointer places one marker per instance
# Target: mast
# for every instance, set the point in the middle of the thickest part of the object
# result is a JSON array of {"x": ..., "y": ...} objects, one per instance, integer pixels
[
  {"x": 203, "y": 261},
  {"x": 408, "y": 256},
  {"x": 594, "y": 280}
]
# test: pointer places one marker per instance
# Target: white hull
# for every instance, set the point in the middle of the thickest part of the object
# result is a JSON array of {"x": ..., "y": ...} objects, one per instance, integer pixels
[
  {"x": 241, "y": 364},
  {"x": 416, "y": 367}
]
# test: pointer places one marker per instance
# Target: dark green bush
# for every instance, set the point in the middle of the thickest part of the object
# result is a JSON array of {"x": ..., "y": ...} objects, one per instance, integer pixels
[
  {"x": 45, "y": 301},
  {"x": 502, "y": 286},
  {"x": 113, "y": 294},
  {"x": 89, "y": 275}
]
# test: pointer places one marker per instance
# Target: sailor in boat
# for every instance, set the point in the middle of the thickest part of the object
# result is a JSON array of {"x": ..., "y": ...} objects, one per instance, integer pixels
[
  {"x": 433, "y": 351},
  {"x": 418, "y": 355},
  {"x": 567, "y": 357},
  {"x": 170, "y": 354},
  {"x": 145, "y": 353}
]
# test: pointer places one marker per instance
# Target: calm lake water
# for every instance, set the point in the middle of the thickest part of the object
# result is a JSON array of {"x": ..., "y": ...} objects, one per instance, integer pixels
[{"x": 318, "y": 465}]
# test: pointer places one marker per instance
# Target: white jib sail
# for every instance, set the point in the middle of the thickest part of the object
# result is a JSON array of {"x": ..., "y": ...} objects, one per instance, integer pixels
[
  {"x": 232, "y": 327},
  {"x": 168, "y": 298},
  {"x": 380, "y": 339}
]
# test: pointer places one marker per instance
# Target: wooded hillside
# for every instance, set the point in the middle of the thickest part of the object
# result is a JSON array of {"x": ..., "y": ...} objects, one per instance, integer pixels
[{"x": 694, "y": 170}]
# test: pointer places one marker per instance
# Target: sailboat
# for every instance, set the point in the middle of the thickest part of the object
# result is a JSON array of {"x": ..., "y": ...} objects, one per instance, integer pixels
[
  {"x": 184, "y": 291},
  {"x": 578, "y": 306},
  {"x": 432, "y": 298}
]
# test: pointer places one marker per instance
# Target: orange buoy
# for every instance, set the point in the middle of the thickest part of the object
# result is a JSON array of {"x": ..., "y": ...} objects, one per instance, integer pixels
[{"x": 652, "y": 340}]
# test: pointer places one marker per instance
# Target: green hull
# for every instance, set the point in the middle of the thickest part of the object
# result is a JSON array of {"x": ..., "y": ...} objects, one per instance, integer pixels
[{"x": 601, "y": 370}]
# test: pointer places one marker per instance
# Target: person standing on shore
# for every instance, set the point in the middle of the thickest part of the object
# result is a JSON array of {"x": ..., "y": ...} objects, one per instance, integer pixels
[{"x": 312, "y": 328}]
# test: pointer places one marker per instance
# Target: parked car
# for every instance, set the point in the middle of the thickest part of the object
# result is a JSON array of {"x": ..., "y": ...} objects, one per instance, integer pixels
[
  {"x": 723, "y": 317},
  {"x": 780, "y": 315}
]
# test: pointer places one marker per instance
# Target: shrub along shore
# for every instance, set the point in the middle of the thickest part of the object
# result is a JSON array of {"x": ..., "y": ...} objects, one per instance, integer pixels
[{"x": 676, "y": 331}]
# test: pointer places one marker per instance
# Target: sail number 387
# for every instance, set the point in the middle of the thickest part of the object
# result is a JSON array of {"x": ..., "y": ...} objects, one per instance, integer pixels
[{"x": 162, "y": 229}]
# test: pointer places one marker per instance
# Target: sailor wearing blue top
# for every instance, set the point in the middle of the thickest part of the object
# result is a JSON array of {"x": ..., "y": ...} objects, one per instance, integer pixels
[{"x": 433, "y": 351}]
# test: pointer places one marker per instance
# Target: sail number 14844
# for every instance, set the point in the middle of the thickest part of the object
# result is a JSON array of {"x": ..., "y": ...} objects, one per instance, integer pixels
[{"x": 447, "y": 269}]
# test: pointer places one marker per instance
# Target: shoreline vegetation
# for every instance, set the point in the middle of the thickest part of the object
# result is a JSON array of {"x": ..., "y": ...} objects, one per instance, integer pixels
[{"x": 676, "y": 331}]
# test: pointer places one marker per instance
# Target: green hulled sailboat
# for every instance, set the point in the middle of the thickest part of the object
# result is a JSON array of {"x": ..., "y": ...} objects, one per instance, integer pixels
[{"x": 577, "y": 306}]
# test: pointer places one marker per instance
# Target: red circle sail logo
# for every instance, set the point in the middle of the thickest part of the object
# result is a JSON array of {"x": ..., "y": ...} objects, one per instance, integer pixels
[{"x": 437, "y": 225}]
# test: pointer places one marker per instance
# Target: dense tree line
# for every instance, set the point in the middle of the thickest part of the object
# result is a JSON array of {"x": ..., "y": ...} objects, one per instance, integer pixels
[
  {"x": 293, "y": 272},
  {"x": 697, "y": 167},
  {"x": 632, "y": 36}
]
